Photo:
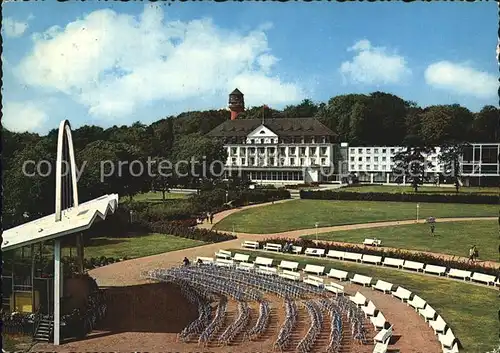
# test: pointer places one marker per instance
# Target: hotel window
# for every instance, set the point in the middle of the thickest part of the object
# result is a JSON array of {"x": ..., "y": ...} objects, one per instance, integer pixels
[
  {"x": 384, "y": 159},
  {"x": 392, "y": 150},
  {"x": 302, "y": 151},
  {"x": 243, "y": 160},
  {"x": 375, "y": 159},
  {"x": 271, "y": 150},
  {"x": 302, "y": 161},
  {"x": 353, "y": 150},
  {"x": 376, "y": 150},
  {"x": 360, "y": 166},
  {"x": 375, "y": 167},
  {"x": 384, "y": 150},
  {"x": 283, "y": 150},
  {"x": 292, "y": 150},
  {"x": 360, "y": 159},
  {"x": 353, "y": 167},
  {"x": 312, "y": 150},
  {"x": 292, "y": 161},
  {"x": 252, "y": 141},
  {"x": 261, "y": 140},
  {"x": 323, "y": 150},
  {"x": 360, "y": 150},
  {"x": 368, "y": 150},
  {"x": 252, "y": 161},
  {"x": 323, "y": 139},
  {"x": 352, "y": 159},
  {"x": 367, "y": 167},
  {"x": 271, "y": 161},
  {"x": 233, "y": 160},
  {"x": 383, "y": 167},
  {"x": 323, "y": 161},
  {"x": 233, "y": 150},
  {"x": 368, "y": 159}
]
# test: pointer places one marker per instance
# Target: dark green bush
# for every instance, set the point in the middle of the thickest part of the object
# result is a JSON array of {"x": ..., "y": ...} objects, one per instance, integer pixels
[{"x": 399, "y": 197}]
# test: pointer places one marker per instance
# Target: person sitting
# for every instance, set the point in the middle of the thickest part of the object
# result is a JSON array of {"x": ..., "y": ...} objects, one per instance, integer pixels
[
  {"x": 186, "y": 261},
  {"x": 199, "y": 262}
]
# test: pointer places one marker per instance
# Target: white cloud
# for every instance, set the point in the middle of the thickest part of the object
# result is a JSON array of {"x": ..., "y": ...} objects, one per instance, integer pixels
[
  {"x": 462, "y": 79},
  {"x": 22, "y": 116},
  {"x": 13, "y": 28},
  {"x": 114, "y": 63},
  {"x": 374, "y": 65}
]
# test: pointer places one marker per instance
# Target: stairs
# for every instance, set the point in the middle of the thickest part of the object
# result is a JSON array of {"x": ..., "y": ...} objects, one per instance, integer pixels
[
  {"x": 294, "y": 194},
  {"x": 44, "y": 330}
]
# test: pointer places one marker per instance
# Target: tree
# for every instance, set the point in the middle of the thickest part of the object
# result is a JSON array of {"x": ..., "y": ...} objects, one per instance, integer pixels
[
  {"x": 486, "y": 124},
  {"x": 306, "y": 109},
  {"x": 450, "y": 157},
  {"x": 446, "y": 124},
  {"x": 411, "y": 165}
]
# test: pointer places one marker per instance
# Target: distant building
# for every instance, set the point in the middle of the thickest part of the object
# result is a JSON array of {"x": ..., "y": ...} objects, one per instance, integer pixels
[{"x": 282, "y": 150}]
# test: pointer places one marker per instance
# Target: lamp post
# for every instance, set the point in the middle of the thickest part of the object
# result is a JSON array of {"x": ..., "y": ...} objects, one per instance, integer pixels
[
  {"x": 316, "y": 226},
  {"x": 418, "y": 206}
]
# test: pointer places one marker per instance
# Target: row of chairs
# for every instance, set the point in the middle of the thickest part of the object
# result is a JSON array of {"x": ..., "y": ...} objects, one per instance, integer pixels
[
  {"x": 262, "y": 322},
  {"x": 216, "y": 323},
  {"x": 284, "y": 335},
  {"x": 316, "y": 317},
  {"x": 204, "y": 312},
  {"x": 238, "y": 326},
  {"x": 334, "y": 343}
]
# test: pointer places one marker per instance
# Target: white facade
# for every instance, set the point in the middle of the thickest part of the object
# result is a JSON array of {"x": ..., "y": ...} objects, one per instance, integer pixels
[
  {"x": 380, "y": 159},
  {"x": 265, "y": 156}
]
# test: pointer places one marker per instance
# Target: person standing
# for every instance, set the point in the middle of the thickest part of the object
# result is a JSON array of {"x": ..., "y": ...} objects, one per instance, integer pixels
[
  {"x": 211, "y": 218},
  {"x": 471, "y": 254}
]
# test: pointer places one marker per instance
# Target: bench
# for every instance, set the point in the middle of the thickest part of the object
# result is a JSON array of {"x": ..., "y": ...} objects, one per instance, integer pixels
[
  {"x": 459, "y": 274},
  {"x": 417, "y": 303},
  {"x": 372, "y": 259},
  {"x": 383, "y": 286},
  {"x": 453, "y": 349},
  {"x": 447, "y": 339},
  {"x": 335, "y": 254},
  {"x": 273, "y": 247},
  {"x": 338, "y": 274},
  {"x": 378, "y": 321},
  {"x": 335, "y": 288},
  {"x": 484, "y": 278},
  {"x": 241, "y": 257},
  {"x": 370, "y": 309},
  {"x": 245, "y": 266},
  {"x": 353, "y": 256},
  {"x": 372, "y": 242},
  {"x": 360, "y": 279},
  {"x": 413, "y": 265},
  {"x": 223, "y": 254},
  {"x": 294, "y": 276},
  {"x": 224, "y": 262},
  {"x": 402, "y": 293},
  {"x": 205, "y": 260},
  {"x": 428, "y": 313},
  {"x": 263, "y": 261},
  {"x": 315, "y": 252},
  {"x": 391, "y": 261},
  {"x": 313, "y": 280},
  {"x": 296, "y": 249},
  {"x": 250, "y": 244},
  {"x": 438, "y": 325},
  {"x": 288, "y": 265},
  {"x": 267, "y": 270},
  {"x": 383, "y": 335},
  {"x": 319, "y": 270},
  {"x": 437, "y": 270},
  {"x": 358, "y": 299}
]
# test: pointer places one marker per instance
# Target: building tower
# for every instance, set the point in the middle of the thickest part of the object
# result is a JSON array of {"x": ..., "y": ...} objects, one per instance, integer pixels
[{"x": 236, "y": 103}]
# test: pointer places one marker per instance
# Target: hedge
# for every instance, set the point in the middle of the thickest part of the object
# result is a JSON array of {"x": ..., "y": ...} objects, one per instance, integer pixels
[
  {"x": 398, "y": 197},
  {"x": 430, "y": 259}
]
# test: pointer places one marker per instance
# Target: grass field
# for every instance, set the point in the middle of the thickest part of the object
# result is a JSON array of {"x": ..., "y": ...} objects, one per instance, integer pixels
[
  {"x": 154, "y": 196},
  {"x": 465, "y": 307},
  {"x": 303, "y": 214},
  {"x": 454, "y": 238},
  {"x": 137, "y": 246},
  {"x": 393, "y": 189}
]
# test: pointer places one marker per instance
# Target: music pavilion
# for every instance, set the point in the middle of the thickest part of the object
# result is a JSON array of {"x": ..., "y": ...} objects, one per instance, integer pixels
[{"x": 70, "y": 218}]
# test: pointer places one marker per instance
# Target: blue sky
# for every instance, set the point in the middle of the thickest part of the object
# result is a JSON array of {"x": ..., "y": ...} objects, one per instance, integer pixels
[{"x": 108, "y": 63}]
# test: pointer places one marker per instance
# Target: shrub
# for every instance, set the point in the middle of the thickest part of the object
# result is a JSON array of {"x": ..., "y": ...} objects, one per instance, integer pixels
[
  {"x": 454, "y": 262},
  {"x": 399, "y": 197},
  {"x": 205, "y": 235}
]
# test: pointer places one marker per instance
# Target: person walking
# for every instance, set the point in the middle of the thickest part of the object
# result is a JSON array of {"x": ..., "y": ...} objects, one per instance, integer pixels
[
  {"x": 211, "y": 218},
  {"x": 471, "y": 254},
  {"x": 186, "y": 261},
  {"x": 432, "y": 229},
  {"x": 476, "y": 253}
]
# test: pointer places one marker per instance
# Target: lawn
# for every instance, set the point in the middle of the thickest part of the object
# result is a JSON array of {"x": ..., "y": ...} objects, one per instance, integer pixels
[
  {"x": 394, "y": 189},
  {"x": 471, "y": 311},
  {"x": 154, "y": 196},
  {"x": 137, "y": 246},
  {"x": 303, "y": 214},
  {"x": 454, "y": 238}
]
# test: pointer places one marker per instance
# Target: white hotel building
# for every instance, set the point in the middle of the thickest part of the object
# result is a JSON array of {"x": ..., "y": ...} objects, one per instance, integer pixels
[{"x": 303, "y": 150}]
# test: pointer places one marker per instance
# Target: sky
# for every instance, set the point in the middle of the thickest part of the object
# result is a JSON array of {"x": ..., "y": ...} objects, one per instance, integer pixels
[{"x": 112, "y": 63}]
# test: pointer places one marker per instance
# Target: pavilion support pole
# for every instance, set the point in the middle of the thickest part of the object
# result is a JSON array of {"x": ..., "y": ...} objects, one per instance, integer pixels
[
  {"x": 79, "y": 251},
  {"x": 57, "y": 291},
  {"x": 33, "y": 278}
]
